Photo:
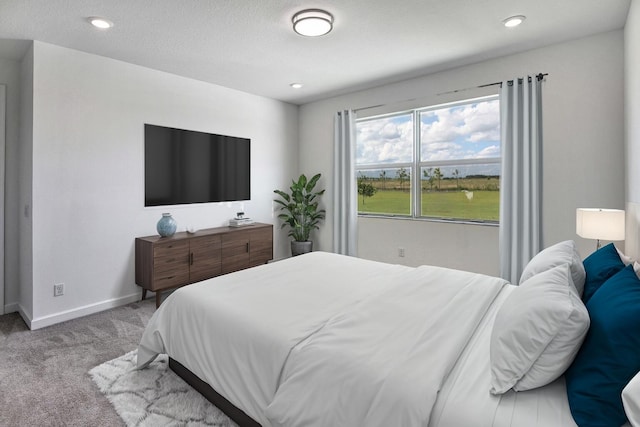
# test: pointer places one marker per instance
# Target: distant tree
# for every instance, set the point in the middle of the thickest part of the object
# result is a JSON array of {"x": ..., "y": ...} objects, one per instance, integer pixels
[
  {"x": 365, "y": 189},
  {"x": 456, "y": 174},
  {"x": 437, "y": 174},
  {"x": 402, "y": 176},
  {"x": 383, "y": 178},
  {"x": 428, "y": 174}
]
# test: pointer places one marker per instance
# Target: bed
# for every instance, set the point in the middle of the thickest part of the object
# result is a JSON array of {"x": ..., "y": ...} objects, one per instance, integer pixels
[{"x": 324, "y": 339}]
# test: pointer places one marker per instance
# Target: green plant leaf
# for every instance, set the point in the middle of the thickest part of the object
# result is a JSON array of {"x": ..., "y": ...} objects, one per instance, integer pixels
[{"x": 300, "y": 207}]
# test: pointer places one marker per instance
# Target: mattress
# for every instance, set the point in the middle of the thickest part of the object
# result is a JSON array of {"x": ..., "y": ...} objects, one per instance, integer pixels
[{"x": 272, "y": 340}]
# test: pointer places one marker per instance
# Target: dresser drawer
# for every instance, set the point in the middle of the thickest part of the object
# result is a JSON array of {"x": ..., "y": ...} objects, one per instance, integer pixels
[
  {"x": 170, "y": 249},
  {"x": 170, "y": 279},
  {"x": 170, "y": 256}
]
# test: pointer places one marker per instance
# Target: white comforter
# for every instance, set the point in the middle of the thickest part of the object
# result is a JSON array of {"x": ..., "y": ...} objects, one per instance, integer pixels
[
  {"x": 236, "y": 331},
  {"x": 323, "y": 339},
  {"x": 383, "y": 361}
]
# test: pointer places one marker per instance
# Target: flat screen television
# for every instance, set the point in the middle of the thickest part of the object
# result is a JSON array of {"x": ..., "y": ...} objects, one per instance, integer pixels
[{"x": 185, "y": 166}]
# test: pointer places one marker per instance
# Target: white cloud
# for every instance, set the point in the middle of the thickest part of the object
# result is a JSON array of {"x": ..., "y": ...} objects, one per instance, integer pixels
[
  {"x": 449, "y": 133},
  {"x": 493, "y": 151},
  {"x": 465, "y": 121},
  {"x": 384, "y": 140}
]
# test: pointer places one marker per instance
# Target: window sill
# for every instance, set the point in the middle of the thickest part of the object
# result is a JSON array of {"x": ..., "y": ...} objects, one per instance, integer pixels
[{"x": 436, "y": 220}]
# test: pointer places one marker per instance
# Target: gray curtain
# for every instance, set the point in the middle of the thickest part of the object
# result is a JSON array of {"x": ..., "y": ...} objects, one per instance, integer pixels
[
  {"x": 521, "y": 181},
  {"x": 345, "y": 196}
]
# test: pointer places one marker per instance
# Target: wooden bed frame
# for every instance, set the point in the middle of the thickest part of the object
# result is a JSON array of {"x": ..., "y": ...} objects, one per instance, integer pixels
[{"x": 236, "y": 414}]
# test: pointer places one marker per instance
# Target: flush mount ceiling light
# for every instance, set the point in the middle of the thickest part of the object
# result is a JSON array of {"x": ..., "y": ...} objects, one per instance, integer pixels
[
  {"x": 101, "y": 23},
  {"x": 312, "y": 22},
  {"x": 514, "y": 21}
]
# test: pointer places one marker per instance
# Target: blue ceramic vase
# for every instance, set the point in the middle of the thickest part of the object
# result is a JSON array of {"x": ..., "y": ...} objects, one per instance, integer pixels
[{"x": 167, "y": 225}]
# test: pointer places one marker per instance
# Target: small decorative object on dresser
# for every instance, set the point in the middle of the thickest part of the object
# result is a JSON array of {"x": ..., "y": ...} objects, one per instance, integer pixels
[
  {"x": 166, "y": 225},
  {"x": 301, "y": 212},
  {"x": 240, "y": 220}
]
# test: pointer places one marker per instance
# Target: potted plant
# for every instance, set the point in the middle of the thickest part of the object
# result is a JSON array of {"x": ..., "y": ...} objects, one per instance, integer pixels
[{"x": 300, "y": 212}]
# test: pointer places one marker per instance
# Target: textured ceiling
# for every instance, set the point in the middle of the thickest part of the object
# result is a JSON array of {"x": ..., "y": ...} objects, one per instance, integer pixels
[{"x": 249, "y": 44}]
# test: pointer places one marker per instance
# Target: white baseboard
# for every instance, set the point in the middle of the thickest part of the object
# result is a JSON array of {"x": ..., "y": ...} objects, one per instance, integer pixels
[
  {"x": 11, "y": 308},
  {"x": 52, "y": 319},
  {"x": 25, "y": 316}
]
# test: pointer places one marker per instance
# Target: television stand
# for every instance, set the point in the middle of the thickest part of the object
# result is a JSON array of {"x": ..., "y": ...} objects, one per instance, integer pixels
[{"x": 164, "y": 263}]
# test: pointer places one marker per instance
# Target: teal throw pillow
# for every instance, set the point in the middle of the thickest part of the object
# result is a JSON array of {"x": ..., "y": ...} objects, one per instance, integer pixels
[
  {"x": 609, "y": 357},
  {"x": 600, "y": 266}
]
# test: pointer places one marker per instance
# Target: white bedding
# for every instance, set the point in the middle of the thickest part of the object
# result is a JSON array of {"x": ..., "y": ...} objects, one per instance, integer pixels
[
  {"x": 323, "y": 339},
  {"x": 465, "y": 399},
  {"x": 462, "y": 402},
  {"x": 382, "y": 362},
  {"x": 236, "y": 331}
]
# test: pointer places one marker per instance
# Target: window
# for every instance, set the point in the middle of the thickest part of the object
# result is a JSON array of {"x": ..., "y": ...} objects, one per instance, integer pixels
[{"x": 440, "y": 162}]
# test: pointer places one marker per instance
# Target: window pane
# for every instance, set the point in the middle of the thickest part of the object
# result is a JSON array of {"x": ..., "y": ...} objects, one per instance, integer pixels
[
  {"x": 469, "y": 192},
  {"x": 385, "y": 140},
  {"x": 384, "y": 191},
  {"x": 470, "y": 131}
]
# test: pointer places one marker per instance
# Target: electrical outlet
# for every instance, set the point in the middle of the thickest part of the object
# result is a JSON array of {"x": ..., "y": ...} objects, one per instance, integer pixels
[
  {"x": 401, "y": 252},
  {"x": 58, "y": 290}
]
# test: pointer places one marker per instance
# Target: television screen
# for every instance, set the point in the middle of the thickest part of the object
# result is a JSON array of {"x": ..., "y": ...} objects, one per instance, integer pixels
[{"x": 184, "y": 166}]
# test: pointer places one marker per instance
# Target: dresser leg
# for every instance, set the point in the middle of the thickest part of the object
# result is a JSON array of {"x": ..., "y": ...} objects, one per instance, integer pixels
[
  {"x": 144, "y": 294},
  {"x": 158, "y": 298}
]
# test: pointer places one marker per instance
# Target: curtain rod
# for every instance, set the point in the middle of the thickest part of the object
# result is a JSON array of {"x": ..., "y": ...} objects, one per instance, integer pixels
[{"x": 539, "y": 77}]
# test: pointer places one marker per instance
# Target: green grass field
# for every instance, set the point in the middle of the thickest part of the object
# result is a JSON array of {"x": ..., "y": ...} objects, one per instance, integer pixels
[{"x": 484, "y": 205}]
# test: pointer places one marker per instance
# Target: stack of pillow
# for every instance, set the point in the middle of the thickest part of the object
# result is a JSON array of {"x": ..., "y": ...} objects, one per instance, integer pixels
[
  {"x": 560, "y": 303},
  {"x": 539, "y": 328},
  {"x": 610, "y": 355}
]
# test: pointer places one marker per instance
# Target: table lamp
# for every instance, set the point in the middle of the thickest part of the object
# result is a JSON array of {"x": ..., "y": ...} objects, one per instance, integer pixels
[{"x": 600, "y": 224}]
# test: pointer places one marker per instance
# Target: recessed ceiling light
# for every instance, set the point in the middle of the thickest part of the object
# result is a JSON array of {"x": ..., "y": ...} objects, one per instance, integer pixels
[
  {"x": 514, "y": 21},
  {"x": 101, "y": 23},
  {"x": 296, "y": 85},
  {"x": 312, "y": 22}
]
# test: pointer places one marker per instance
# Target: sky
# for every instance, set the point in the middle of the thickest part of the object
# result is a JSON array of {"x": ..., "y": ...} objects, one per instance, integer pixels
[{"x": 467, "y": 131}]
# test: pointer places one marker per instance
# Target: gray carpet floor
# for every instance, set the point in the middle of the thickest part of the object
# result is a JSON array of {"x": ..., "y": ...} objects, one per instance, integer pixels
[{"x": 44, "y": 378}]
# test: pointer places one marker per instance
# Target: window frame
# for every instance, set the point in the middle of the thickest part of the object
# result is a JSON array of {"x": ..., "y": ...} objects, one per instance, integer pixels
[{"x": 416, "y": 165}]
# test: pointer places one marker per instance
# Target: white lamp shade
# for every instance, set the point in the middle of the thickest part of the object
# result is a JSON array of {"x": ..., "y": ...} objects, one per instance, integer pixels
[{"x": 602, "y": 224}]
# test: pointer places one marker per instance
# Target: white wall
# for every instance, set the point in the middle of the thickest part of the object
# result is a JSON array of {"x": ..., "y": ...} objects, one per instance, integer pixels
[
  {"x": 583, "y": 149},
  {"x": 88, "y": 182},
  {"x": 81, "y": 134},
  {"x": 10, "y": 76},
  {"x": 632, "y": 127},
  {"x": 430, "y": 243},
  {"x": 25, "y": 180}
]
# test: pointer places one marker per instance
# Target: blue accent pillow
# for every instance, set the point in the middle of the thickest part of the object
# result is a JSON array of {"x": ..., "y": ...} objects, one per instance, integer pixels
[
  {"x": 599, "y": 266},
  {"x": 610, "y": 355}
]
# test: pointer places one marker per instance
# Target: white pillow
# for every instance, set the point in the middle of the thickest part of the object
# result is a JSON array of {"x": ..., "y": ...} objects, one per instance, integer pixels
[
  {"x": 626, "y": 260},
  {"x": 553, "y": 256},
  {"x": 631, "y": 400},
  {"x": 537, "y": 332}
]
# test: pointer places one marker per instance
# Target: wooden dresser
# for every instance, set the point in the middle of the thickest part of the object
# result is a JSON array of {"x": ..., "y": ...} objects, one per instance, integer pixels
[{"x": 168, "y": 262}]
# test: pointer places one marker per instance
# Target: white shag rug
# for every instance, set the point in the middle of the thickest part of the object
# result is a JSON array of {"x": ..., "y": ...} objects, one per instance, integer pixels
[{"x": 154, "y": 396}]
